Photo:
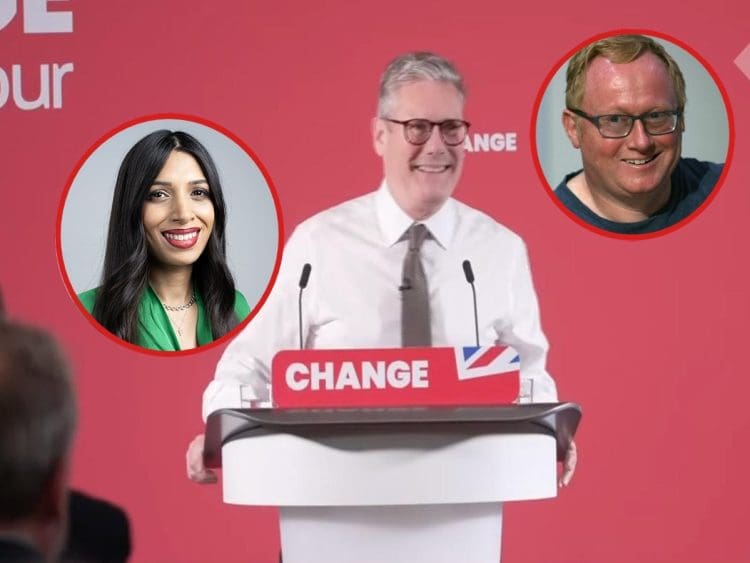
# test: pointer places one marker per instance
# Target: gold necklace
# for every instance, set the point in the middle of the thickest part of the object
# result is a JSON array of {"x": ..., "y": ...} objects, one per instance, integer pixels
[
  {"x": 178, "y": 328},
  {"x": 178, "y": 308}
]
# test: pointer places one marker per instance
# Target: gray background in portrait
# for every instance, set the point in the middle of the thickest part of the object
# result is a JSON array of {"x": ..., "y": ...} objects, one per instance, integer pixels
[
  {"x": 252, "y": 225},
  {"x": 706, "y": 135}
]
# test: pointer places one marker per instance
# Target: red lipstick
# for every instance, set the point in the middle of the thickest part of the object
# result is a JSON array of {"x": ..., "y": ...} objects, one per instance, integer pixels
[{"x": 182, "y": 238}]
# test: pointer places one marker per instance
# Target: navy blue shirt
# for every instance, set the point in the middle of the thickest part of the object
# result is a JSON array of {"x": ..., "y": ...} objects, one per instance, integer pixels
[{"x": 692, "y": 181}]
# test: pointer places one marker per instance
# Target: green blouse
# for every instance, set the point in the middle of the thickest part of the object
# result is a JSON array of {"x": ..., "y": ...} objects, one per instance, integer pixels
[{"x": 155, "y": 332}]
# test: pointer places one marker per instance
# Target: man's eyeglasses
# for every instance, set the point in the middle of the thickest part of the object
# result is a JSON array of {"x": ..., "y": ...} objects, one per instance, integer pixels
[
  {"x": 419, "y": 131},
  {"x": 619, "y": 125}
]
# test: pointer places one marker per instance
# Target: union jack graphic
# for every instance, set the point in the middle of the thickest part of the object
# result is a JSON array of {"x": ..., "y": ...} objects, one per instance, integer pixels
[{"x": 484, "y": 361}]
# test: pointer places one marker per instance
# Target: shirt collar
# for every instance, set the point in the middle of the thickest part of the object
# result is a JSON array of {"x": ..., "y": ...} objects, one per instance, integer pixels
[{"x": 394, "y": 221}]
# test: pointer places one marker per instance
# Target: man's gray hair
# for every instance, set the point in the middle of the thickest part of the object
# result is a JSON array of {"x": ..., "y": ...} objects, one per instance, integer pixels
[
  {"x": 413, "y": 67},
  {"x": 37, "y": 416}
]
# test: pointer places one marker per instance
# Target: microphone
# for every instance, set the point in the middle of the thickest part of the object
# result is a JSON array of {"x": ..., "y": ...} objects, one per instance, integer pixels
[
  {"x": 469, "y": 273},
  {"x": 303, "y": 279}
]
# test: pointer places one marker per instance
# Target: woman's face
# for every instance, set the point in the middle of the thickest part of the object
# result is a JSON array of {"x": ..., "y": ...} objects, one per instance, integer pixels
[{"x": 178, "y": 215}]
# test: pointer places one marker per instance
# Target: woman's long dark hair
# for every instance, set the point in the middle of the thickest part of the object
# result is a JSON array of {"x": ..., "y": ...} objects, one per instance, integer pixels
[{"x": 127, "y": 260}]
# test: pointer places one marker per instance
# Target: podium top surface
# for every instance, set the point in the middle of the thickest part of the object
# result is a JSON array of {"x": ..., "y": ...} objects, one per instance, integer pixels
[{"x": 558, "y": 419}]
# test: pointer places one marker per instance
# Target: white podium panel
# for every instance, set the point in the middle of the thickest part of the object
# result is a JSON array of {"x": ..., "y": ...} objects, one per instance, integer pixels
[
  {"x": 416, "y": 485},
  {"x": 388, "y": 468},
  {"x": 445, "y": 533}
]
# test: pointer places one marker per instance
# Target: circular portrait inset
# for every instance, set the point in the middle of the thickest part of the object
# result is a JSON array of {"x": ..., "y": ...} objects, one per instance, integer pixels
[
  {"x": 169, "y": 234},
  {"x": 632, "y": 133}
]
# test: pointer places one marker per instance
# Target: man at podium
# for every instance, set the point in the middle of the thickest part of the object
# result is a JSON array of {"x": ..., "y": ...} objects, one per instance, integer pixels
[{"x": 388, "y": 268}]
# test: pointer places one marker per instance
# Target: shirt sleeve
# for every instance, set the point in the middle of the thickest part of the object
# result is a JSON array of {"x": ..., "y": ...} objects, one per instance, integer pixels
[
  {"x": 244, "y": 370},
  {"x": 524, "y": 332}
]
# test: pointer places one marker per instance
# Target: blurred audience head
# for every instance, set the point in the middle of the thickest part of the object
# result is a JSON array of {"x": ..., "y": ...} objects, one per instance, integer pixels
[{"x": 37, "y": 423}]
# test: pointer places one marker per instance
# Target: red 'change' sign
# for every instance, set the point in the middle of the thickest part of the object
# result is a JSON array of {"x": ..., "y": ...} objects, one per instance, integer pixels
[{"x": 484, "y": 375}]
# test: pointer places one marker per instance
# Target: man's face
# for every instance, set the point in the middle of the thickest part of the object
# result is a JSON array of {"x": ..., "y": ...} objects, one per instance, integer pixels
[
  {"x": 639, "y": 163},
  {"x": 421, "y": 177}
]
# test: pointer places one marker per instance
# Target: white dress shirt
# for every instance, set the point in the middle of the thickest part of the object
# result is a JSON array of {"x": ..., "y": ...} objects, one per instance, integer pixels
[{"x": 356, "y": 250}]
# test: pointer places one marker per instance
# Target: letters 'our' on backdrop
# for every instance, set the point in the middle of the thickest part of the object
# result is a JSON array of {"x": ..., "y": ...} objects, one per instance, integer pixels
[{"x": 649, "y": 335}]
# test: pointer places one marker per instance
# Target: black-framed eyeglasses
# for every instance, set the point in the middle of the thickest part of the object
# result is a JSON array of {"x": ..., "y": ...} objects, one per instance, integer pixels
[
  {"x": 418, "y": 131},
  {"x": 619, "y": 125}
]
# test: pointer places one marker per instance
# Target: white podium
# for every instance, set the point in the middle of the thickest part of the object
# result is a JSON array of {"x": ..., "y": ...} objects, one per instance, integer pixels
[{"x": 390, "y": 484}]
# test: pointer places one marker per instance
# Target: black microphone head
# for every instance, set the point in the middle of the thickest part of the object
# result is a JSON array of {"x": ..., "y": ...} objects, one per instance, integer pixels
[
  {"x": 468, "y": 272},
  {"x": 305, "y": 277}
]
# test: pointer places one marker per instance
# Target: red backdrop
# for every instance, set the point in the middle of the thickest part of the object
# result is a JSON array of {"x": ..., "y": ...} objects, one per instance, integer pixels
[{"x": 646, "y": 335}]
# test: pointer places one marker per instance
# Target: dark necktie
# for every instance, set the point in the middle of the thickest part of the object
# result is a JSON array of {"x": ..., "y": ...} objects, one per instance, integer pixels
[{"x": 415, "y": 299}]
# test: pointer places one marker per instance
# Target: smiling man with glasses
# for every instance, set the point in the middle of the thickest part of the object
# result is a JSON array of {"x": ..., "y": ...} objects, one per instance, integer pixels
[
  {"x": 387, "y": 266},
  {"x": 625, "y": 110},
  {"x": 396, "y": 254}
]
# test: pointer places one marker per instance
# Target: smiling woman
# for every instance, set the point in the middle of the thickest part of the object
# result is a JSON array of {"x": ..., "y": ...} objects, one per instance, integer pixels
[{"x": 165, "y": 284}]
